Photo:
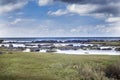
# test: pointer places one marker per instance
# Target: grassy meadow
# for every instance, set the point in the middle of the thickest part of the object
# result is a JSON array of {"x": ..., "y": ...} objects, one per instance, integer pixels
[
  {"x": 49, "y": 66},
  {"x": 107, "y": 43}
]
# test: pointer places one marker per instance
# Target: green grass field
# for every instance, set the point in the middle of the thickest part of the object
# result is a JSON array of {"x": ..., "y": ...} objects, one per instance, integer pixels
[
  {"x": 107, "y": 43},
  {"x": 49, "y": 66}
]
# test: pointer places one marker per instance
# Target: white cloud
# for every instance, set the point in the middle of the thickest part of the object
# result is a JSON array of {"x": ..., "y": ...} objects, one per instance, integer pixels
[
  {"x": 84, "y": 9},
  {"x": 81, "y": 9},
  {"x": 19, "y": 13},
  {"x": 19, "y": 20},
  {"x": 114, "y": 28},
  {"x": 58, "y": 12},
  {"x": 11, "y": 7},
  {"x": 10, "y": 17},
  {"x": 94, "y": 10},
  {"x": 113, "y": 19},
  {"x": 44, "y": 2},
  {"x": 83, "y": 29},
  {"x": 107, "y": 7},
  {"x": 111, "y": 29},
  {"x": 113, "y": 25},
  {"x": 16, "y": 21},
  {"x": 42, "y": 28},
  {"x": 46, "y": 28},
  {"x": 75, "y": 30}
]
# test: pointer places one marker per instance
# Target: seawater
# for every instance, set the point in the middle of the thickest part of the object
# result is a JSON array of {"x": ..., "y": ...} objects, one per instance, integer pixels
[{"x": 59, "y": 38}]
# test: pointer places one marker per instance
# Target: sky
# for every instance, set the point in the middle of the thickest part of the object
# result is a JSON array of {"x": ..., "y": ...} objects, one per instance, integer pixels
[{"x": 59, "y": 18}]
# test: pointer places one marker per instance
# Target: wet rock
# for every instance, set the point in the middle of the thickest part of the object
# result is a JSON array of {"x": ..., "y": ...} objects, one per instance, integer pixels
[
  {"x": 117, "y": 49},
  {"x": 106, "y": 49}
]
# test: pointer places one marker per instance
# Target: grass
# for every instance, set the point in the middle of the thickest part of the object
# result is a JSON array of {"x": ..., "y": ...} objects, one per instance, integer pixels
[
  {"x": 107, "y": 43},
  {"x": 49, "y": 66}
]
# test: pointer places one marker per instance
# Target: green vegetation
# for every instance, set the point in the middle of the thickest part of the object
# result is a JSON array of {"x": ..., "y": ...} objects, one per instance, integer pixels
[
  {"x": 107, "y": 43},
  {"x": 49, "y": 66}
]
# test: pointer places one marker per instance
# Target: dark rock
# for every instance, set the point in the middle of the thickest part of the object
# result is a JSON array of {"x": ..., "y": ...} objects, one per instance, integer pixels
[
  {"x": 117, "y": 49},
  {"x": 106, "y": 49}
]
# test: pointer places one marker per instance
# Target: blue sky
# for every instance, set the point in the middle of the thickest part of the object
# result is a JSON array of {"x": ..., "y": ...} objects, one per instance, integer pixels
[{"x": 56, "y": 18}]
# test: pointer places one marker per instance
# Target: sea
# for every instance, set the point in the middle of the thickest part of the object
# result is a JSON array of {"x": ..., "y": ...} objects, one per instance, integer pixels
[{"x": 58, "y": 38}]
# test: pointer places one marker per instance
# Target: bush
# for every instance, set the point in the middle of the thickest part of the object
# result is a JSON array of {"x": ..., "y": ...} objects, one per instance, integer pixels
[
  {"x": 113, "y": 71},
  {"x": 88, "y": 72},
  {"x": 10, "y": 52},
  {"x": 1, "y": 52}
]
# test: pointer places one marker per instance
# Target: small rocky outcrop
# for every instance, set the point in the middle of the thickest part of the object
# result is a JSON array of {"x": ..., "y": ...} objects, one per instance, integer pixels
[{"x": 117, "y": 49}]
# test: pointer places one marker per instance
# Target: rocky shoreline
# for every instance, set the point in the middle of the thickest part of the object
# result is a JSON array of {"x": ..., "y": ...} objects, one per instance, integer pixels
[{"x": 54, "y": 45}]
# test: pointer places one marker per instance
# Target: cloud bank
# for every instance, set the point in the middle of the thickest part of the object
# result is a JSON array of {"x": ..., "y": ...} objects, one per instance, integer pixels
[
  {"x": 106, "y": 7},
  {"x": 91, "y": 7},
  {"x": 108, "y": 10}
]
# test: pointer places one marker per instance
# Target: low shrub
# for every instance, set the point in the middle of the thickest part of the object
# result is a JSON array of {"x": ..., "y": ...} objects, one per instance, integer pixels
[
  {"x": 1, "y": 52},
  {"x": 10, "y": 52},
  {"x": 113, "y": 71},
  {"x": 88, "y": 72}
]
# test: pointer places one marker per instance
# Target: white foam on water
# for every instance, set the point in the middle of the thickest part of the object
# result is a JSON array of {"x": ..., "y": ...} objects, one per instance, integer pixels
[
  {"x": 43, "y": 51},
  {"x": 89, "y": 52},
  {"x": 14, "y": 45},
  {"x": 18, "y": 45}
]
